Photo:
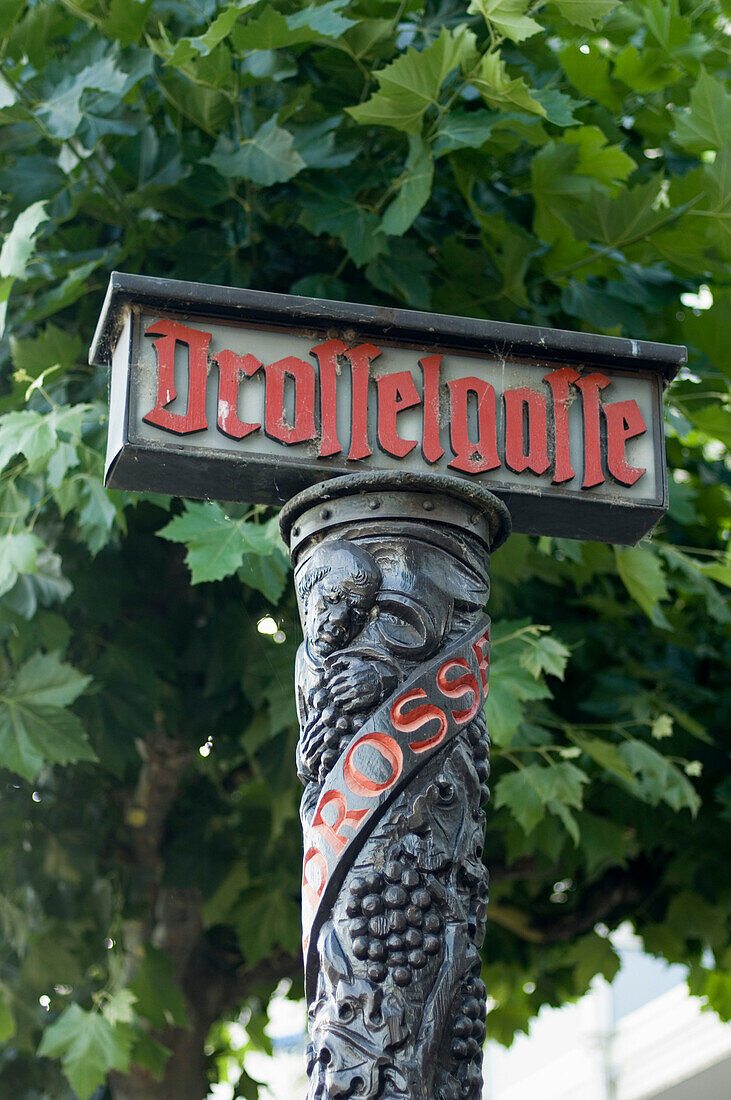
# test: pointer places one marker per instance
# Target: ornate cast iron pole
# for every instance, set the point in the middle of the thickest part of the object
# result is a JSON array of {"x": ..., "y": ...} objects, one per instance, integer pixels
[{"x": 391, "y": 572}]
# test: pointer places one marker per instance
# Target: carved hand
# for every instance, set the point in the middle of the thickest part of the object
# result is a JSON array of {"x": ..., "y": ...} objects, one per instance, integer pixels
[{"x": 355, "y": 684}]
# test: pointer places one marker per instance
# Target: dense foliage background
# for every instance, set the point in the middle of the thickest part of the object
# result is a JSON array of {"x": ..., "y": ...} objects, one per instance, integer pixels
[{"x": 560, "y": 164}]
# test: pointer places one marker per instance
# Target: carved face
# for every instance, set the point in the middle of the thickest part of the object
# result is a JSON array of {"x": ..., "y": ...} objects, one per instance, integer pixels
[{"x": 337, "y": 590}]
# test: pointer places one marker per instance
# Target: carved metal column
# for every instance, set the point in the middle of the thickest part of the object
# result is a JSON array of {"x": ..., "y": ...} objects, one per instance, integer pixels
[{"x": 391, "y": 574}]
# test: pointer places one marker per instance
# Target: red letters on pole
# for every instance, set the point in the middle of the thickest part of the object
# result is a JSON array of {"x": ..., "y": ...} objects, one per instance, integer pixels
[
  {"x": 343, "y": 816},
  {"x": 473, "y": 456},
  {"x": 314, "y": 857},
  {"x": 590, "y": 387},
  {"x": 327, "y": 358},
  {"x": 194, "y": 419},
  {"x": 230, "y": 369},
  {"x": 521, "y": 404},
  {"x": 360, "y": 360},
  {"x": 303, "y": 375},
  {"x": 607, "y": 427},
  {"x": 431, "y": 446},
  {"x": 396, "y": 392},
  {"x": 560, "y": 383},
  {"x": 624, "y": 421},
  {"x": 483, "y": 660},
  {"x": 418, "y": 717},
  {"x": 460, "y": 686},
  {"x": 391, "y": 752}
]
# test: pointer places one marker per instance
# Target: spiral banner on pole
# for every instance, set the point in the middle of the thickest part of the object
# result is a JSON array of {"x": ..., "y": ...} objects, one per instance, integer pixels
[{"x": 391, "y": 680}]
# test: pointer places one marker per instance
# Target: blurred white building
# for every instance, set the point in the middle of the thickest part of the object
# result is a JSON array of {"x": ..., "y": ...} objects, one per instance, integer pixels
[{"x": 641, "y": 1038}]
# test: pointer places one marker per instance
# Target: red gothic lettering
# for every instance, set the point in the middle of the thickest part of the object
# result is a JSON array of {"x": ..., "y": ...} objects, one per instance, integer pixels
[
  {"x": 462, "y": 685},
  {"x": 431, "y": 446},
  {"x": 313, "y": 894},
  {"x": 230, "y": 368},
  {"x": 560, "y": 381},
  {"x": 474, "y": 457},
  {"x": 483, "y": 658},
  {"x": 343, "y": 816},
  {"x": 389, "y": 750},
  {"x": 327, "y": 358},
  {"x": 194, "y": 418},
  {"x": 590, "y": 387},
  {"x": 275, "y": 425},
  {"x": 360, "y": 359},
  {"x": 396, "y": 392},
  {"x": 624, "y": 421},
  {"x": 418, "y": 717},
  {"x": 520, "y": 403}
]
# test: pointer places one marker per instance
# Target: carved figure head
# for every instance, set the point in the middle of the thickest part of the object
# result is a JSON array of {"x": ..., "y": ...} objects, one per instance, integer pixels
[{"x": 337, "y": 587}]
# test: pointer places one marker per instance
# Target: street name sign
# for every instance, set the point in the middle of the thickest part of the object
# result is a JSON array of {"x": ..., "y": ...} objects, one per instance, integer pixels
[{"x": 247, "y": 396}]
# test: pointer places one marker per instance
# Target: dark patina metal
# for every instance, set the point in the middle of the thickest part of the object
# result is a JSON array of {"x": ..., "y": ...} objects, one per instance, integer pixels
[{"x": 392, "y": 575}]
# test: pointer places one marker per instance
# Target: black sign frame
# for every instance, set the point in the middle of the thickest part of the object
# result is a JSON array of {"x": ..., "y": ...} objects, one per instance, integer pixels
[{"x": 199, "y": 473}]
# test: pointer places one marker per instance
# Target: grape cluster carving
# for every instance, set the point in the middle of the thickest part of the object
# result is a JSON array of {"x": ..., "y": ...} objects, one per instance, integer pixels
[{"x": 394, "y": 925}]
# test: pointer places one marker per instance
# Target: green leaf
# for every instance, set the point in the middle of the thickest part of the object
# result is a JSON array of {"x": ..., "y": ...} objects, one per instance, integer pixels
[
  {"x": 27, "y": 433},
  {"x": 271, "y": 30},
  {"x": 500, "y": 90},
  {"x": 558, "y": 106},
  {"x": 265, "y": 921},
  {"x": 268, "y": 573},
  {"x": 529, "y": 791},
  {"x": 589, "y": 72},
  {"x": 126, "y": 20},
  {"x": 607, "y": 164},
  {"x": 621, "y": 219},
  {"x": 557, "y": 187},
  {"x": 585, "y": 13},
  {"x": 658, "y": 778},
  {"x": 158, "y": 995},
  {"x": 403, "y": 272},
  {"x": 51, "y": 347},
  {"x": 19, "y": 244},
  {"x": 88, "y": 1046},
  {"x": 605, "y": 753},
  {"x": 216, "y": 544},
  {"x": 149, "y": 1053},
  {"x": 266, "y": 158},
  {"x": 7, "y": 1023},
  {"x": 201, "y": 45},
  {"x": 315, "y": 143},
  {"x": 35, "y": 729},
  {"x": 18, "y": 555},
  {"x": 6, "y": 285},
  {"x": 508, "y": 16},
  {"x": 546, "y": 654},
  {"x": 62, "y": 111},
  {"x": 643, "y": 576},
  {"x": 207, "y": 108},
  {"x": 707, "y": 123},
  {"x": 464, "y": 130},
  {"x": 411, "y": 84},
  {"x": 119, "y": 1007},
  {"x": 414, "y": 189},
  {"x": 662, "y": 727},
  {"x": 716, "y": 204},
  {"x": 604, "y": 843},
  {"x": 47, "y": 681},
  {"x": 334, "y": 209}
]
